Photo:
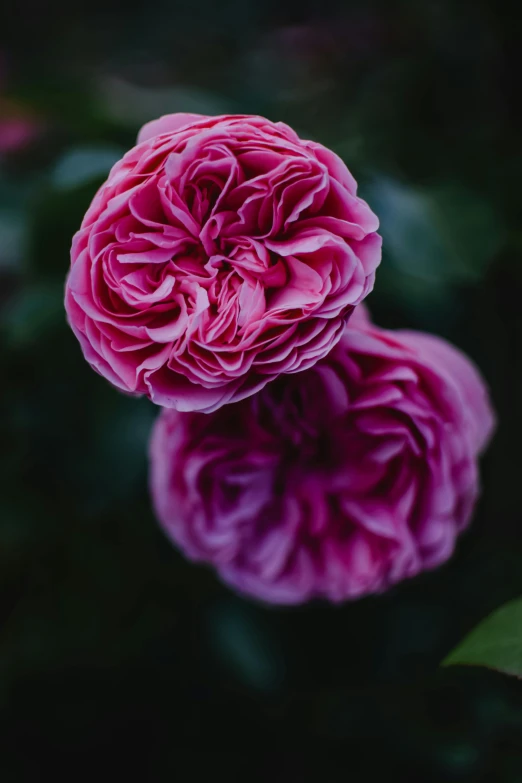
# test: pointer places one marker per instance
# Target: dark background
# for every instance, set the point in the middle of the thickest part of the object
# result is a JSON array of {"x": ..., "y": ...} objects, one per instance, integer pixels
[{"x": 118, "y": 659}]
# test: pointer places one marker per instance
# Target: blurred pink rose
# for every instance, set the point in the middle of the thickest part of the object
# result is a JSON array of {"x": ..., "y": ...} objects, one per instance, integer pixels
[
  {"x": 220, "y": 253},
  {"x": 17, "y": 132},
  {"x": 18, "y": 126},
  {"x": 334, "y": 483}
]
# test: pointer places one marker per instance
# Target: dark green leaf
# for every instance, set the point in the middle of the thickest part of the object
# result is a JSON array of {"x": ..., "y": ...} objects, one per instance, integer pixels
[{"x": 495, "y": 643}]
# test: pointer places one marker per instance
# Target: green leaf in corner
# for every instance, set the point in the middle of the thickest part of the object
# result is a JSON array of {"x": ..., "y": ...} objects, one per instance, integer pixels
[{"x": 495, "y": 643}]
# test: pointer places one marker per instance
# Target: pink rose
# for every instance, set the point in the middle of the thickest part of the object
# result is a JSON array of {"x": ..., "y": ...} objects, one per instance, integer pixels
[
  {"x": 221, "y": 253},
  {"x": 334, "y": 483}
]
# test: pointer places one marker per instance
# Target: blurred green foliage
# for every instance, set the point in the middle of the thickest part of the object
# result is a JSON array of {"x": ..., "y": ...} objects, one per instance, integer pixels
[{"x": 116, "y": 655}]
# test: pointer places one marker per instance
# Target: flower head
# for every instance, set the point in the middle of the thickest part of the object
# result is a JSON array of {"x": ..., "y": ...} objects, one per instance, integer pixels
[
  {"x": 334, "y": 483},
  {"x": 221, "y": 253}
]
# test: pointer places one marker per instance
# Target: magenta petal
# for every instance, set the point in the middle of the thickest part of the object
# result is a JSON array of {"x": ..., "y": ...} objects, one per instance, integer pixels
[
  {"x": 167, "y": 124},
  {"x": 459, "y": 370}
]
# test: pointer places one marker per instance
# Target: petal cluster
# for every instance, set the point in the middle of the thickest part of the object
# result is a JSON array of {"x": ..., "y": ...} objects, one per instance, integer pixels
[
  {"x": 221, "y": 253},
  {"x": 334, "y": 483}
]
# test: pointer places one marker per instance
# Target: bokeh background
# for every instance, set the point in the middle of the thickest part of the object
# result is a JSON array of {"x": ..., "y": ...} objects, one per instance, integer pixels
[{"x": 120, "y": 660}]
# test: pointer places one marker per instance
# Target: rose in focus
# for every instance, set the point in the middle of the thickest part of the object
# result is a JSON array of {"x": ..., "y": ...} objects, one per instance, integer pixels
[
  {"x": 334, "y": 483},
  {"x": 221, "y": 253}
]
